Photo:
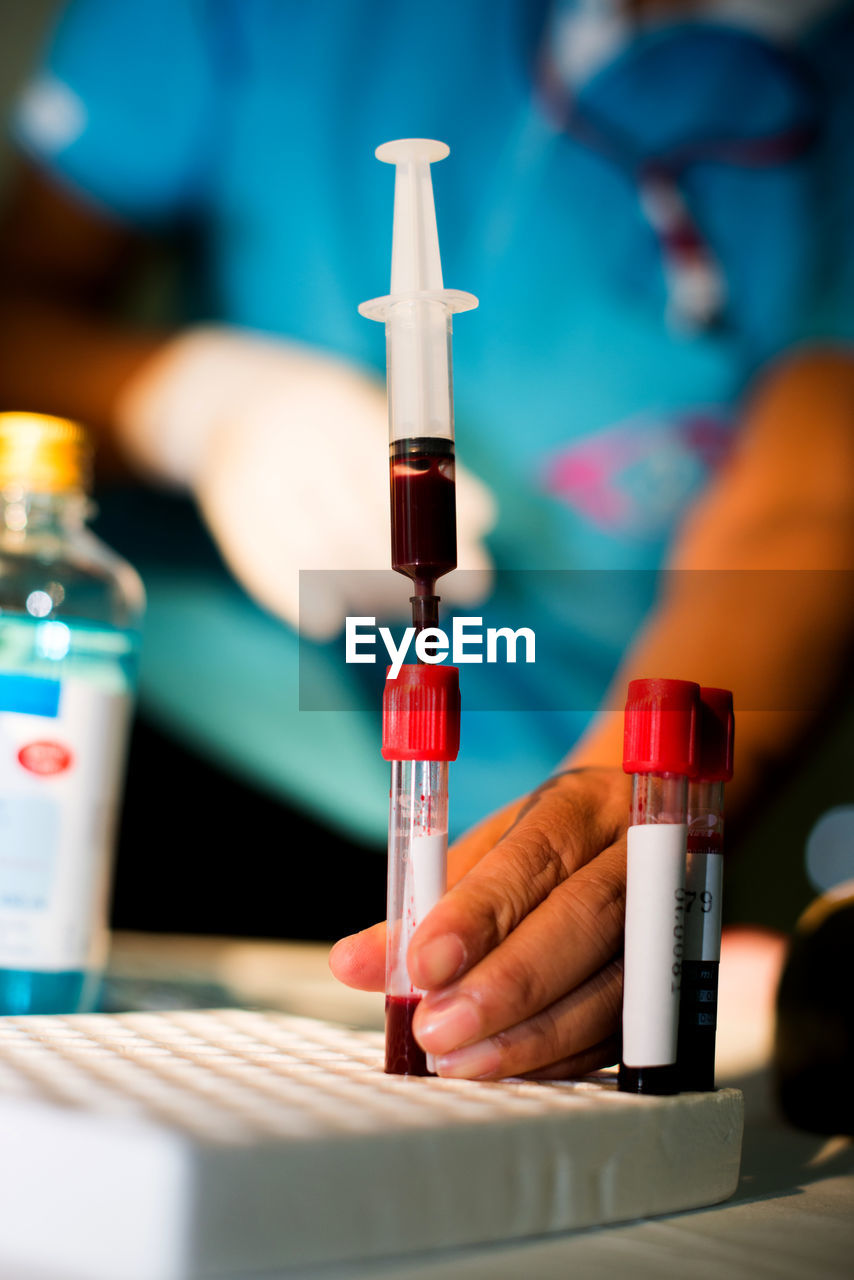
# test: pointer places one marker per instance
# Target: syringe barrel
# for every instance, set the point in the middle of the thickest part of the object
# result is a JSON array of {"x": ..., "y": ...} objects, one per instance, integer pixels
[
  {"x": 420, "y": 369},
  {"x": 417, "y": 859}
]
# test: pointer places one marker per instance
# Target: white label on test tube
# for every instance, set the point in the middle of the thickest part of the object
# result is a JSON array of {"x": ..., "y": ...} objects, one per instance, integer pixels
[
  {"x": 703, "y": 892},
  {"x": 428, "y": 861},
  {"x": 428, "y": 858},
  {"x": 655, "y": 883}
]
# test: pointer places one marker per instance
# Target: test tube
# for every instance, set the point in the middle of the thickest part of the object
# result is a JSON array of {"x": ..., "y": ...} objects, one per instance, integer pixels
[
  {"x": 698, "y": 1007},
  {"x": 421, "y": 734},
  {"x": 659, "y": 749}
]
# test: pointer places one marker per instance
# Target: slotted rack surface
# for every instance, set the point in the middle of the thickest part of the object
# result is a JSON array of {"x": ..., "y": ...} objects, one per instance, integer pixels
[{"x": 169, "y": 1146}]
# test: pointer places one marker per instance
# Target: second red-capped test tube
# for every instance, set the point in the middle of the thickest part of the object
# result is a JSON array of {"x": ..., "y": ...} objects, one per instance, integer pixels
[
  {"x": 659, "y": 749},
  {"x": 703, "y": 891},
  {"x": 421, "y": 735}
]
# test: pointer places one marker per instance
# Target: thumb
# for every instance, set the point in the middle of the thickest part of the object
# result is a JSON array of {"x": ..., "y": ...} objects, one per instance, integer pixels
[{"x": 359, "y": 960}]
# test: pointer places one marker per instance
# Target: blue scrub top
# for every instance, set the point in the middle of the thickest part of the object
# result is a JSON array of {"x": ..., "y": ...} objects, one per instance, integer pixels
[{"x": 595, "y": 423}]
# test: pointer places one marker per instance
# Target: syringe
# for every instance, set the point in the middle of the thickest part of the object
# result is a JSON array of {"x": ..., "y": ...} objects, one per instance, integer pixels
[{"x": 417, "y": 315}]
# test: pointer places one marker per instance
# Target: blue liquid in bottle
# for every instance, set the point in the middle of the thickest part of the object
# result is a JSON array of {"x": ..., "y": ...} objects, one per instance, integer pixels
[{"x": 70, "y": 612}]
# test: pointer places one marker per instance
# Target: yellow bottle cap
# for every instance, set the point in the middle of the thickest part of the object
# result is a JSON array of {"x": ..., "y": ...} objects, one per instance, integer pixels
[{"x": 44, "y": 454}]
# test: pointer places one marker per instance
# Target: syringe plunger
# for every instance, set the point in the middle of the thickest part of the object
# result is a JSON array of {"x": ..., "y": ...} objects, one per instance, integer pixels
[
  {"x": 415, "y": 263},
  {"x": 417, "y": 312}
]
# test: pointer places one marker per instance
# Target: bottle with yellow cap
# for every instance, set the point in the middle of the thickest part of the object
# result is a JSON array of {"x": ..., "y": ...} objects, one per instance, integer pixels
[{"x": 70, "y": 613}]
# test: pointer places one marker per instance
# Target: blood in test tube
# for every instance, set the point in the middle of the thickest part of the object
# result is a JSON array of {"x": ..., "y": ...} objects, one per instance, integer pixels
[
  {"x": 403, "y": 1055},
  {"x": 423, "y": 510}
]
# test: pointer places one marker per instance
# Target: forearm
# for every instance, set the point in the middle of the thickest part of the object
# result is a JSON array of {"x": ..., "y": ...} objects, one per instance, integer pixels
[{"x": 759, "y": 599}]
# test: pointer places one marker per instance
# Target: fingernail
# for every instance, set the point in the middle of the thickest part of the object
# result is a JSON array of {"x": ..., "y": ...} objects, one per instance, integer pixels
[
  {"x": 439, "y": 961},
  {"x": 438, "y": 1030},
  {"x": 471, "y": 1063}
]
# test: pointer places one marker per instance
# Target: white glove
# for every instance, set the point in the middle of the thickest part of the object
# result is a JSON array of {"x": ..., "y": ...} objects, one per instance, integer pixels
[{"x": 286, "y": 452}]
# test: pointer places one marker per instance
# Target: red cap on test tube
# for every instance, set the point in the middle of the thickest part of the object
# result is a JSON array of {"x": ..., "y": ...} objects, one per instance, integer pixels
[
  {"x": 421, "y": 713},
  {"x": 660, "y": 729},
  {"x": 716, "y": 736}
]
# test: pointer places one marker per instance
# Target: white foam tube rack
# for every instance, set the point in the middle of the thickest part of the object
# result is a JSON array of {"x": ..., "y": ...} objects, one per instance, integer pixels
[{"x": 185, "y": 1145}]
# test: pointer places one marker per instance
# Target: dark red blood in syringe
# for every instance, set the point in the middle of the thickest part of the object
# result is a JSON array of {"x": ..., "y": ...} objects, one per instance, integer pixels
[
  {"x": 403, "y": 1055},
  {"x": 423, "y": 509}
]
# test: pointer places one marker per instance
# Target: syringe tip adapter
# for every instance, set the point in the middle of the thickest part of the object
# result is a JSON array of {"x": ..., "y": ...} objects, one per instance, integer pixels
[
  {"x": 716, "y": 735},
  {"x": 660, "y": 728}
]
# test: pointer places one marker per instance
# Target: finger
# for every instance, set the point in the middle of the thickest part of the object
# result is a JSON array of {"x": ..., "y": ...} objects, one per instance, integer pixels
[
  {"x": 561, "y": 826},
  {"x": 565, "y": 941},
  {"x": 359, "y": 960},
  {"x": 601, "y": 1055},
  {"x": 581, "y": 1020}
]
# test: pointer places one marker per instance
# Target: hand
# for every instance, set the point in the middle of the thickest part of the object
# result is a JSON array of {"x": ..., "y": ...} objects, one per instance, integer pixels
[
  {"x": 285, "y": 450},
  {"x": 521, "y": 959}
]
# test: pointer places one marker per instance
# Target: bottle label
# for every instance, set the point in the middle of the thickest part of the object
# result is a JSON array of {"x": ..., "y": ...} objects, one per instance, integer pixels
[
  {"x": 655, "y": 929},
  {"x": 60, "y": 780},
  {"x": 703, "y": 893}
]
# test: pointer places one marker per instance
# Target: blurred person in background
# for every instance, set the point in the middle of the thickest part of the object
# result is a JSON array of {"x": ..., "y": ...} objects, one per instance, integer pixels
[{"x": 653, "y": 204}]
